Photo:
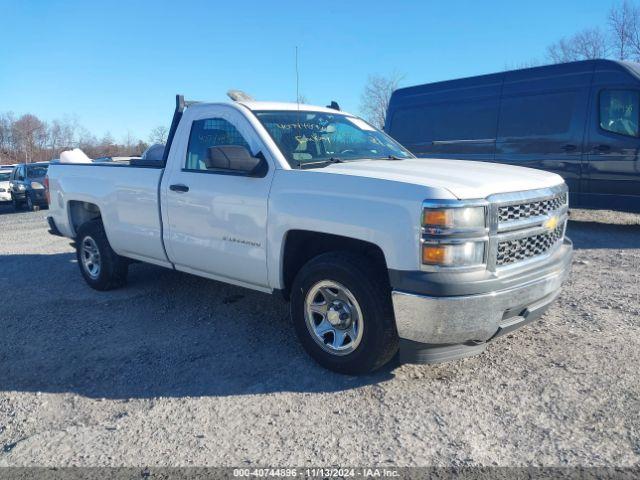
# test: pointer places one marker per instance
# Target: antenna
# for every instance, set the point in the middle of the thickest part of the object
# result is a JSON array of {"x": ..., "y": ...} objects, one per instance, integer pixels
[{"x": 297, "y": 81}]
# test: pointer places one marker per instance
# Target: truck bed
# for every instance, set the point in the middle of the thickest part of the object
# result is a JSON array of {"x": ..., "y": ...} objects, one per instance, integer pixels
[{"x": 128, "y": 196}]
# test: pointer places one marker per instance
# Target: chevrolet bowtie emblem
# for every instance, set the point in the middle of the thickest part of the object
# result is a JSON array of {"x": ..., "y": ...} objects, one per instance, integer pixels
[{"x": 551, "y": 223}]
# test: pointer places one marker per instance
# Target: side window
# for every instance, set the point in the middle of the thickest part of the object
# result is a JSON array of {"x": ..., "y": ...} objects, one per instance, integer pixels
[
  {"x": 207, "y": 133},
  {"x": 470, "y": 120},
  {"x": 20, "y": 173},
  {"x": 619, "y": 111},
  {"x": 537, "y": 115}
]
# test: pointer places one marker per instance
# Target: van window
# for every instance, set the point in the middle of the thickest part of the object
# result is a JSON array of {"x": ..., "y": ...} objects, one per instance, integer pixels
[
  {"x": 536, "y": 115},
  {"x": 468, "y": 120},
  {"x": 619, "y": 111},
  {"x": 210, "y": 132}
]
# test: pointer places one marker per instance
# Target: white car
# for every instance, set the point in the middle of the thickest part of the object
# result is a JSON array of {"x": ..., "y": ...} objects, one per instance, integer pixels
[
  {"x": 5, "y": 194},
  {"x": 376, "y": 250}
]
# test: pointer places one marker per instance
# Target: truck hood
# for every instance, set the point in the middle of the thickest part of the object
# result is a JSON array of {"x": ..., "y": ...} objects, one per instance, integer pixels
[{"x": 464, "y": 179}]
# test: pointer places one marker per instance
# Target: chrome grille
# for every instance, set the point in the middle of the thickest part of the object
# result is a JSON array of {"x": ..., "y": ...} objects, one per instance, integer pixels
[
  {"x": 510, "y": 213},
  {"x": 518, "y": 249}
]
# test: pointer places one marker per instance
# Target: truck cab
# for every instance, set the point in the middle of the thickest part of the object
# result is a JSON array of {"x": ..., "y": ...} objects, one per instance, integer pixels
[{"x": 377, "y": 251}]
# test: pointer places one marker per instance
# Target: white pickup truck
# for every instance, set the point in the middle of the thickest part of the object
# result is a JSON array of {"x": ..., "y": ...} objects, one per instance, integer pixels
[{"x": 377, "y": 251}]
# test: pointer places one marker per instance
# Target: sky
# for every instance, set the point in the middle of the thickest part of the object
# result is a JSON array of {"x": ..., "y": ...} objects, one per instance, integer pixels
[{"x": 115, "y": 66}]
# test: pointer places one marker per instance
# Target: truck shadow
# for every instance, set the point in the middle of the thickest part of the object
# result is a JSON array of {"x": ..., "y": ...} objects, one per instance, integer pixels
[
  {"x": 165, "y": 334},
  {"x": 588, "y": 234}
]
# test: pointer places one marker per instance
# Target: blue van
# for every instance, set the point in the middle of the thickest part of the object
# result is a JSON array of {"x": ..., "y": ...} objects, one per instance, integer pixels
[{"x": 580, "y": 120}]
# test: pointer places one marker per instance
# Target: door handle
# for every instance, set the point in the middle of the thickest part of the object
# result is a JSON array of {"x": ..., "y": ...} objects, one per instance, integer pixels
[
  {"x": 179, "y": 187},
  {"x": 602, "y": 148},
  {"x": 569, "y": 147}
]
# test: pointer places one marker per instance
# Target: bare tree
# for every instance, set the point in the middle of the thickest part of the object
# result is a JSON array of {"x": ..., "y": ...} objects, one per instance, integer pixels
[
  {"x": 376, "y": 96},
  {"x": 159, "y": 134},
  {"x": 585, "y": 45},
  {"x": 525, "y": 64},
  {"x": 30, "y": 139},
  {"x": 29, "y": 134},
  {"x": 6, "y": 139},
  {"x": 139, "y": 148},
  {"x": 128, "y": 142},
  {"x": 107, "y": 146},
  {"x": 60, "y": 136},
  {"x": 591, "y": 43},
  {"x": 623, "y": 25}
]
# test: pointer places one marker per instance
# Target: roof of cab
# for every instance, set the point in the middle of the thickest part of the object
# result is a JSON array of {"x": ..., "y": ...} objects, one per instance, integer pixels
[
  {"x": 255, "y": 106},
  {"x": 258, "y": 106}
]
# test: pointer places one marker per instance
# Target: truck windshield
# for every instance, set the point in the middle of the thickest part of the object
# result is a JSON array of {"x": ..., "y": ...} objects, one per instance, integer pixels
[{"x": 318, "y": 138}]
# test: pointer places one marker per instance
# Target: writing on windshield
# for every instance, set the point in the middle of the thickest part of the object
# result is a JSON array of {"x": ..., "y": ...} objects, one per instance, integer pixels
[{"x": 310, "y": 137}]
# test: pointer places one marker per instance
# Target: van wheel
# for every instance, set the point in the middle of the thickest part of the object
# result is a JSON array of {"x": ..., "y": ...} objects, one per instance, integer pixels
[
  {"x": 342, "y": 313},
  {"x": 101, "y": 267}
]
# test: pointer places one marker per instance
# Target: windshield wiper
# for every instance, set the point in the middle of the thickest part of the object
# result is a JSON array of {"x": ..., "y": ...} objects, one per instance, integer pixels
[
  {"x": 394, "y": 157},
  {"x": 325, "y": 162}
]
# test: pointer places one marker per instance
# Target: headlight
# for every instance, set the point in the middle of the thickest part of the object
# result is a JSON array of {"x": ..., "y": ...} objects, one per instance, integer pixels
[
  {"x": 37, "y": 185},
  {"x": 20, "y": 186},
  {"x": 464, "y": 254},
  {"x": 434, "y": 220},
  {"x": 454, "y": 236}
]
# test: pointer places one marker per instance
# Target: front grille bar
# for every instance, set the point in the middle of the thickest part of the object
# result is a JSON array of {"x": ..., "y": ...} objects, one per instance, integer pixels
[
  {"x": 518, "y": 249},
  {"x": 518, "y": 233}
]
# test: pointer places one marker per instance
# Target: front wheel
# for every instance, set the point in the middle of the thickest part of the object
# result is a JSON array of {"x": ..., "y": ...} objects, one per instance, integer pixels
[
  {"x": 101, "y": 267},
  {"x": 30, "y": 205},
  {"x": 16, "y": 204},
  {"x": 342, "y": 313}
]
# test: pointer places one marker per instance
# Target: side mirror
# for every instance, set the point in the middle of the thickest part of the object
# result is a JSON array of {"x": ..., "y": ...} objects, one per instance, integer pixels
[{"x": 235, "y": 158}]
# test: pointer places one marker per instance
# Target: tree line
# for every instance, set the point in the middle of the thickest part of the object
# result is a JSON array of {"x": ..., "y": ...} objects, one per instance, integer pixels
[
  {"x": 27, "y": 138},
  {"x": 618, "y": 38}
]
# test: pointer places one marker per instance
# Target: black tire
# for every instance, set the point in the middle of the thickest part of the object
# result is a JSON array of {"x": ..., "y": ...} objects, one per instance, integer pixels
[
  {"x": 30, "y": 205},
  {"x": 16, "y": 204},
  {"x": 370, "y": 287},
  {"x": 113, "y": 268}
]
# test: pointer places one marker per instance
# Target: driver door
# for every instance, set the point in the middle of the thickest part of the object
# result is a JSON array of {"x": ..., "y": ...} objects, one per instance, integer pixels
[
  {"x": 613, "y": 147},
  {"x": 215, "y": 222}
]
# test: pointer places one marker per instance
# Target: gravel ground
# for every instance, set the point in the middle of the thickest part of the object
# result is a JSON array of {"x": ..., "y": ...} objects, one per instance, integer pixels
[{"x": 176, "y": 370}]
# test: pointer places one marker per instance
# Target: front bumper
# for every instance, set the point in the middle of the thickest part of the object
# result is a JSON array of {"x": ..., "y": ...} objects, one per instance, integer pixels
[
  {"x": 5, "y": 196},
  {"x": 439, "y": 328}
]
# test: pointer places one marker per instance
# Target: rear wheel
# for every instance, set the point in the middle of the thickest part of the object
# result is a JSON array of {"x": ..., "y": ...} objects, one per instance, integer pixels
[
  {"x": 342, "y": 313},
  {"x": 101, "y": 267}
]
